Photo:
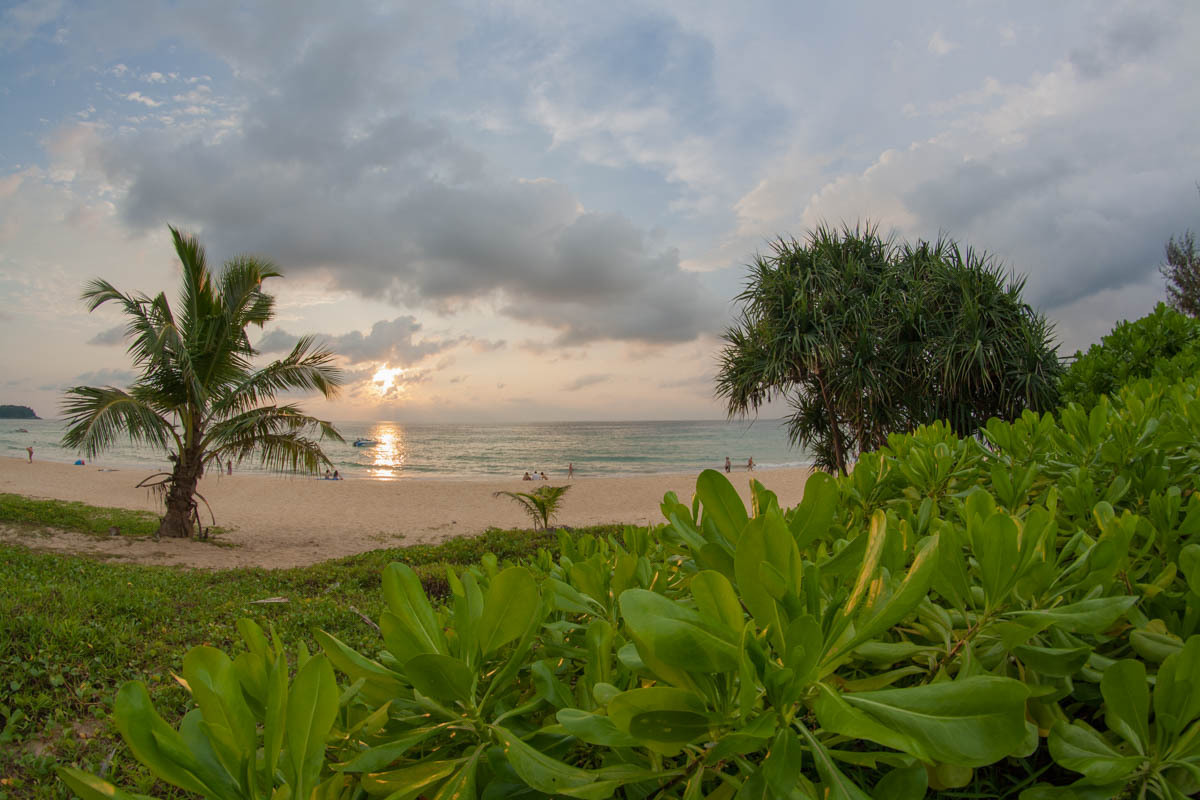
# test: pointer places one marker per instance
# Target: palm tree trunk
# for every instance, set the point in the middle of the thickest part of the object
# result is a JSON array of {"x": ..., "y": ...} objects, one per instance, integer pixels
[{"x": 179, "y": 521}]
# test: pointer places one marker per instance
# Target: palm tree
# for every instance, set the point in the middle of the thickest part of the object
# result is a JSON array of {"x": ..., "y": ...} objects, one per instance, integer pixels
[
  {"x": 199, "y": 396},
  {"x": 541, "y": 504}
]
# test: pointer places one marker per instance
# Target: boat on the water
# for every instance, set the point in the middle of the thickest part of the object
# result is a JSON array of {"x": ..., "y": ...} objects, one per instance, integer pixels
[{"x": 365, "y": 442}]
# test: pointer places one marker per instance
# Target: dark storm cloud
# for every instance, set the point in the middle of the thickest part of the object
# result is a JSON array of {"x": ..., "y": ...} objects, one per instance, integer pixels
[
  {"x": 327, "y": 169},
  {"x": 392, "y": 341}
]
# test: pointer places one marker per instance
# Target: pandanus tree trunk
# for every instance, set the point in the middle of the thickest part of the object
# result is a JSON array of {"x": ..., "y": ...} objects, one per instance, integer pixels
[{"x": 182, "y": 518}]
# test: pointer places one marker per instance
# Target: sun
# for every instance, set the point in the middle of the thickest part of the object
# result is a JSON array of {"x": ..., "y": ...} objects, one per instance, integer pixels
[{"x": 385, "y": 379}]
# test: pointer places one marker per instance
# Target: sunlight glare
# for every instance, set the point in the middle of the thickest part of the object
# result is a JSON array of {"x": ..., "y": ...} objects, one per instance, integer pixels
[{"x": 385, "y": 379}]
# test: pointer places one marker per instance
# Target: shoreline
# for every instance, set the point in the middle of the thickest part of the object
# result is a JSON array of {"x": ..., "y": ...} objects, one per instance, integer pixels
[{"x": 276, "y": 521}]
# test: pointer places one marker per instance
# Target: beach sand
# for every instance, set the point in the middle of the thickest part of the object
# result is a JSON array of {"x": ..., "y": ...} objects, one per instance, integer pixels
[{"x": 289, "y": 521}]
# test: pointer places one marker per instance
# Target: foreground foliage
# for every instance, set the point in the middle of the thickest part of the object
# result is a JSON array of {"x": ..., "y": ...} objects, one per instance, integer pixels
[
  {"x": 864, "y": 337},
  {"x": 198, "y": 395},
  {"x": 1016, "y": 614},
  {"x": 73, "y": 629}
]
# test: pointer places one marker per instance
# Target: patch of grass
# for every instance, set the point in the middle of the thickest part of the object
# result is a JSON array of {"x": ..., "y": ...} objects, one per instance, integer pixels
[
  {"x": 75, "y": 516},
  {"x": 73, "y": 629}
]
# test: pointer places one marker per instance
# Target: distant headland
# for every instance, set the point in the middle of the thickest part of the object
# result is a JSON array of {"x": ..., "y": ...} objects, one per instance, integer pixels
[{"x": 17, "y": 412}]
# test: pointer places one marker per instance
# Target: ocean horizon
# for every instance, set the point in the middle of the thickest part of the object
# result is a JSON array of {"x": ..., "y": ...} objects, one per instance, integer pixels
[{"x": 484, "y": 450}]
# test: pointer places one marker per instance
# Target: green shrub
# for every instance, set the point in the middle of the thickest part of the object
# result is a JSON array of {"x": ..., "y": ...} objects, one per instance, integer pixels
[
  {"x": 1164, "y": 344},
  {"x": 953, "y": 613}
]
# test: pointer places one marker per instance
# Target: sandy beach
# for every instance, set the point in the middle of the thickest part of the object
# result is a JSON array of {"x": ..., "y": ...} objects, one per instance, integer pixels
[{"x": 290, "y": 521}]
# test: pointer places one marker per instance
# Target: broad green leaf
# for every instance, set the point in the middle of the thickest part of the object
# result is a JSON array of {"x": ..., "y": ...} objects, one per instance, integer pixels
[
  {"x": 912, "y": 590},
  {"x": 1176, "y": 694},
  {"x": 157, "y": 745},
  {"x": 275, "y": 719},
  {"x": 509, "y": 603},
  {"x": 1086, "y": 616},
  {"x": 717, "y": 601},
  {"x": 997, "y": 551},
  {"x": 411, "y": 782},
  {"x": 782, "y": 765},
  {"x": 668, "y": 631},
  {"x": 311, "y": 708},
  {"x": 876, "y": 538},
  {"x": 382, "y": 684},
  {"x": 837, "y": 786},
  {"x": 838, "y": 716},
  {"x": 443, "y": 678},
  {"x": 1189, "y": 565},
  {"x": 626, "y": 706},
  {"x": 721, "y": 503},
  {"x": 970, "y": 722},
  {"x": 89, "y": 787},
  {"x": 811, "y": 520},
  {"x": 766, "y": 540},
  {"x": 218, "y": 693},
  {"x": 551, "y": 776},
  {"x": 805, "y": 643},
  {"x": 1053, "y": 662},
  {"x": 376, "y": 758},
  {"x": 1080, "y": 748},
  {"x": 415, "y": 616},
  {"x": 594, "y": 728},
  {"x": 461, "y": 785},
  {"x": 671, "y": 727},
  {"x": 1127, "y": 703},
  {"x": 903, "y": 783}
]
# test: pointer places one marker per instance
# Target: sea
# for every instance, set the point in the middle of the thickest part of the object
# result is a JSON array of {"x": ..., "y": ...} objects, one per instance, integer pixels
[{"x": 395, "y": 451}]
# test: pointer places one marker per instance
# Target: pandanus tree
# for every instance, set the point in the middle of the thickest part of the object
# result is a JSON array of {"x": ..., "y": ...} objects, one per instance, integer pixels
[
  {"x": 199, "y": 395},
  {"x": 864, "y": 336}
]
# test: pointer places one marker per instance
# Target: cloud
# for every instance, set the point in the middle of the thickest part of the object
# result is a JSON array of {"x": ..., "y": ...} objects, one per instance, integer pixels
[
  {"x": 585, "y": 381},
  {"x": 138, "y": 97},
  {"x": 110, "y": 336},
  {"x": 103, "y": 377},
  {"x": 1044, "y": 175},
  {"x": 940, "y": 45},
  {"x": 391, "y": 341},
  {"x": 330, "y": 167}
]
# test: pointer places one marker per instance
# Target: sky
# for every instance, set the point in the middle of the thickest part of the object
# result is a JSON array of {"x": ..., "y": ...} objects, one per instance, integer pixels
[{"x": 520, "y": 211}]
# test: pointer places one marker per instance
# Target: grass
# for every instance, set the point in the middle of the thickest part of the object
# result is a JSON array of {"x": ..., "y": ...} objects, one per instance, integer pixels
[
  {"x": 73, "y": 629},
  {"x": 78, "y": 517}
]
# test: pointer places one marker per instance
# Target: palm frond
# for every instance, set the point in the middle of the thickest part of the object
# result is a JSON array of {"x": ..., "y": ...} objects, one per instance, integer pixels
[{"x": 97, "y": 417}]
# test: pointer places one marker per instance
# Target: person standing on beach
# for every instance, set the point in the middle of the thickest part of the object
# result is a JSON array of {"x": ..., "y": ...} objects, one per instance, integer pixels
[
  {"x": 728, "y": 465},
  {"x": 570, "y": 470},
  {"x": 30, "y": 451},
  {"x": 750, "y": 464}
]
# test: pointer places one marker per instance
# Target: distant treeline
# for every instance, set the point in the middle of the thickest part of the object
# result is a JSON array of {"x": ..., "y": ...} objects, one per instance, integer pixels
[{"x": 17, "y": 412}]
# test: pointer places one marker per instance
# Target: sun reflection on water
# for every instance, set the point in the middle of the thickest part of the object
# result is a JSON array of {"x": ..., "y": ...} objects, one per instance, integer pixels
[{"x": 389, "y": 453}]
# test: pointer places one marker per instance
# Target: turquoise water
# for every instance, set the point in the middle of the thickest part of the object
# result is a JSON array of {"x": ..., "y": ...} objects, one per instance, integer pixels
[{"x": 491, "y": 450}]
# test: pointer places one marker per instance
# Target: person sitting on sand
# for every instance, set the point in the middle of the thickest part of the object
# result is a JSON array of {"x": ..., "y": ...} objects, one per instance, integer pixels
[
  {"x": 328, "y": 475},
  {"x": 544, "y": 477},
  {"x": 527, "y": 477},
  {"x": 337, "y": 476}
]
